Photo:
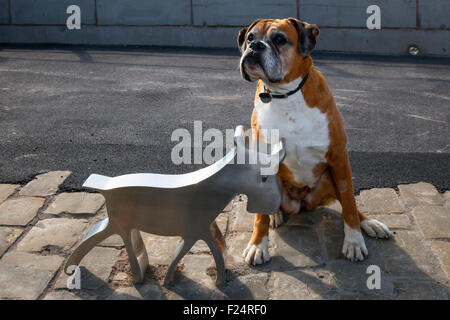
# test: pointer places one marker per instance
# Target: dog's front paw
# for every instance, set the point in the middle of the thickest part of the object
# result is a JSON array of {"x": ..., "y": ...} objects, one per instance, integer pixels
[
  {"x": 257, "y": 253},
  {"x": 375, "y": 228},
  {"x": 354, "y": 246},
  {"x": 276, "y": 219}
]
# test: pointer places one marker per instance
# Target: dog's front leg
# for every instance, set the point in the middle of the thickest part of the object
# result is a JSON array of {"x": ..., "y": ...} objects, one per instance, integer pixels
[
  {"x": 354, "y": 246},
  {"x": 257, "y": 250}
]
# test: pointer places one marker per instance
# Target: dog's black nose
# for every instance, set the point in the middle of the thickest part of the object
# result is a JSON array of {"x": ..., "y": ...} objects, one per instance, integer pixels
[{"x": 257, "y": 46}]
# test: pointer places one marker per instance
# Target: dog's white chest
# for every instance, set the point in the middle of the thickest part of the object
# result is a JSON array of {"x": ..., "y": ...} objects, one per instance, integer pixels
[{"x": 305, "y": 130}]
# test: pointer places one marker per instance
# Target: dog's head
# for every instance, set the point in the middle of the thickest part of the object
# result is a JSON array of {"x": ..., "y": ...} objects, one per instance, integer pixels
[{"x": 273, "y": 49}]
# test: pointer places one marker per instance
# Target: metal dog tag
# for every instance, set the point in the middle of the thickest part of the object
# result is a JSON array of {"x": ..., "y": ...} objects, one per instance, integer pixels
[{"x": 265, "y": 97}]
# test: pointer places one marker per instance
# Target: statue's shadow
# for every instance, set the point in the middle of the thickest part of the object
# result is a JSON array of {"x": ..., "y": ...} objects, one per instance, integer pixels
[{"x": 306, "y": 263}]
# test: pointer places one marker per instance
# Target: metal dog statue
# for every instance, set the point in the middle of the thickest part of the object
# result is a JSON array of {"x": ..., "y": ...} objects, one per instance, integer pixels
[{"x": 183, "y": 205}]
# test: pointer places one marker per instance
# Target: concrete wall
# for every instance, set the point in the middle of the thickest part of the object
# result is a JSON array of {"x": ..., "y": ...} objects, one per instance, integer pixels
[{"x": 214, "y": 23}]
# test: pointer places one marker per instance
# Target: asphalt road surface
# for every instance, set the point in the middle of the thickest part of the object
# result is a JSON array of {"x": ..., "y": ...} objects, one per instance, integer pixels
[{"x": 112, "y": 110}]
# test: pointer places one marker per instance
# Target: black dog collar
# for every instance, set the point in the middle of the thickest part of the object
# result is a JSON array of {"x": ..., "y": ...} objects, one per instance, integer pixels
[{"x": 266, "y": 96}]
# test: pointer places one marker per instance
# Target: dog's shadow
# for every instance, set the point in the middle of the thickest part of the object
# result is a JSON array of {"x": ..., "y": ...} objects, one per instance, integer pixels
[{"x": 307, "y": 263}]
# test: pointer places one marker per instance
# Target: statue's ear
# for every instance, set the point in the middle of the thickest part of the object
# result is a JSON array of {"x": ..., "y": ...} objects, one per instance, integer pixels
[
  {"x": 282, "y": 153},
  {"x": 307, "y": 35},
  {"x": 242, "y": 33},
  {"x": 239, "y": 136}
]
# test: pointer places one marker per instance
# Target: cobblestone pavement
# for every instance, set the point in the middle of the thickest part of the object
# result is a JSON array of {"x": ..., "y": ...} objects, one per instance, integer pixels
[{"x": 39, "y": 227}]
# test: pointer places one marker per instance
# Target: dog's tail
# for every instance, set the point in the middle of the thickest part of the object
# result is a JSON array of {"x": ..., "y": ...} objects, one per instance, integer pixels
[{"x": 97, "y": 182}]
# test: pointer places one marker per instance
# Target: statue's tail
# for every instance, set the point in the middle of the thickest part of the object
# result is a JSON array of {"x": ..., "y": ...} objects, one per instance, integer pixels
[{"x": 97, "y": 182}]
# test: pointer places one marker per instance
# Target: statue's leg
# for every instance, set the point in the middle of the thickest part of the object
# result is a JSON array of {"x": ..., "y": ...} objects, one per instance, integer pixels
[
  {"x": 97, "y": 234},
  {"x": 216, "y": 244},
  {"x": 137, "y": 254},
  {"x": 183, "y": 247}
]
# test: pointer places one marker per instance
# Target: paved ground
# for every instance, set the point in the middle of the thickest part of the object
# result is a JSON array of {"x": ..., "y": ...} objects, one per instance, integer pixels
[
  {"x": 40, "y": 226},
  {"x": 112, "y": 110}
]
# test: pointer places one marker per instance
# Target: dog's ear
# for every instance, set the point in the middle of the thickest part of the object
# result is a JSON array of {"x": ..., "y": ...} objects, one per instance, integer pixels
[
  {"x": 242, "y": 34},
  {"x": 241, "y": 38},
  {"x": 307, "y": 35}
]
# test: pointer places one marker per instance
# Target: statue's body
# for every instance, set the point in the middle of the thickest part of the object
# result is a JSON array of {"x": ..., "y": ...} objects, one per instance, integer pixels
[{"x": 183, "y": 205}]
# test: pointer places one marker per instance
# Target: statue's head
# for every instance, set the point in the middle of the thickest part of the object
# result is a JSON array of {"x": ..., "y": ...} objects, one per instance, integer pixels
[{"x": 260, "y": 163}]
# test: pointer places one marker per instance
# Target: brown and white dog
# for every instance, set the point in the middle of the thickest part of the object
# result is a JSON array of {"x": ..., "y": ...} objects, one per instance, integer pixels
[{"x": 316, "y": 169}]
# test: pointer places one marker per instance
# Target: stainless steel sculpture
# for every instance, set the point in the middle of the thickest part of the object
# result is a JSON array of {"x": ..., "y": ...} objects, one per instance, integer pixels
[{"x": 183, "y": 205}]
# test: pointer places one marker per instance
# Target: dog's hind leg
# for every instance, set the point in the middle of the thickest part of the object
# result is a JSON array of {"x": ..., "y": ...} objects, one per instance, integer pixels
[
  {"x": 217, "y": 236},
  {"x": 137, "y": 254},
  {"x": 183, "y": 247},
  {"x": 97, "y": 234}
]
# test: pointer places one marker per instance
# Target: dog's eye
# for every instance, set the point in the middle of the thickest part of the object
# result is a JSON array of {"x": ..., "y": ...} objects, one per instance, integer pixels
[
  {"x": 251, "y": 37},
  {"x": 279, "y": 40}
]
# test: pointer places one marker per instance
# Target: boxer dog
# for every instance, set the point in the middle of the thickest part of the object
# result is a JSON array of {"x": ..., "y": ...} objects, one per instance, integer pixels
[{"x": 293, "y": 97}]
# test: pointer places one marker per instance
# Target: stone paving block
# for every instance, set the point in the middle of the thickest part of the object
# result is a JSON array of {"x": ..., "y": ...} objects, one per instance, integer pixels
[
  {"x": 235, "y": 247},
  {"x": 120, "y": 276},
  {"x": 433, "y": 221},
  {"x": 195, "y": 281},
  {"x": 295, "y": 247},
  {"x": 352, "y": 276},
  {"x": 160, "y": 249},
  {"x": 135, "y": 12},
  {"x": 393, "y": 221},
  {"x": 44, "y": 184},
  {"x": 200, "y": 247},
  {"x": 77, "y": 202},
  {"x": 300, "y": 285},
  {"x": 420, "y": 194},
  {"x": 335, "y": 206},
  {"x": 196, "y": 266},
  {"x": 381, "y": 200},
  {"x": 137, "y": 292},
  {"x": 6, "y": 190},
  {"x": 59, "y": 232},
  {"x": 332, "y": 236},
  {"x": 243, "y": 220},
  {"x": 62, "y": 295},
  {"x": 446, "y": 197},
  {"x": 311, "y": 218},
  {"x": 28, "y": 283},
  {"x": 19, "y": 211},
  {"x": 114, "y": 241},
  {"x": 442, "y": 250},
  {"x": 7, "y": 237},
  {"x": 25, "y": 276},
  {"x": 410, "y": 289},
  {"x": 96, "y": 267},
  {"x": 248, "y": 287},
  {"x": 406, "y": 254},
  {"x": 30, "y": 260},
  {"x": 359, "y": 204}
]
